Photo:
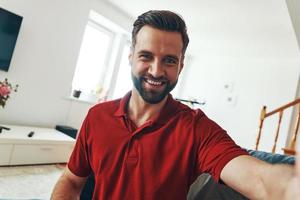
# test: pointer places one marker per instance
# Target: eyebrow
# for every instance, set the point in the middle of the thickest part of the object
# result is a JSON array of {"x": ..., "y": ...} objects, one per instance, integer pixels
[
  {"x": 144, "y": 52},
  {"x": 150, "y": 53}
]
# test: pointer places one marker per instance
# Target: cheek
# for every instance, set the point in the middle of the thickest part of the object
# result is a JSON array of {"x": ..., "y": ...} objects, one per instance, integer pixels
[
  {"x": 173, "y": 74},
  {"x": 139, "y": 67}
]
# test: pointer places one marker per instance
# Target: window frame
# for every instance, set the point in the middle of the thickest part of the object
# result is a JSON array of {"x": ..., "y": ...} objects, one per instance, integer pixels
[{"x": 110, "y": 69}]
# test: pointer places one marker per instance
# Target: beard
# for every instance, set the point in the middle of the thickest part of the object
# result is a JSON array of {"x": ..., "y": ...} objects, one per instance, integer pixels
[{"x": 152, "y": 96}]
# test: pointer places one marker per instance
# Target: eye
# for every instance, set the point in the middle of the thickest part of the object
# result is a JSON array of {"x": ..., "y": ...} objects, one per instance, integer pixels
[
  {"x": 145, "y": 57},
  {"x": 170, "y": 61}
]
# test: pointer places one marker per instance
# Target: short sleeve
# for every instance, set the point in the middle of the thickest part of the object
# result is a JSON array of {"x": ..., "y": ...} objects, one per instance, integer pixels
[
  {"x": 79, "y": 160},
  {"x": 216, "y": 148}
]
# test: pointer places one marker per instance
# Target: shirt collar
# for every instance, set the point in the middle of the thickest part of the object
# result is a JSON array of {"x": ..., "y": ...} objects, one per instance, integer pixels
[
  {"x": 122, "y": 109},
  {"x": 170, "y": 108}
]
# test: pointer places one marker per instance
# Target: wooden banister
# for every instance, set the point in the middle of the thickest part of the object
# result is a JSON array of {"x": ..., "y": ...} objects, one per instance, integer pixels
[
  {"x": 283, "y": 107},
  {"x": 280, "y": 110}
]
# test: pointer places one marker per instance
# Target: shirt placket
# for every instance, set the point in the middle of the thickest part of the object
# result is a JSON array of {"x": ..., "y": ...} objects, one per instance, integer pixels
[{"x": 133, "y": 144}]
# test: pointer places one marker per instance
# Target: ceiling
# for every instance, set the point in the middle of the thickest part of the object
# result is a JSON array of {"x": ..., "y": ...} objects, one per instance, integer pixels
[{"x": 228, "y": 28}]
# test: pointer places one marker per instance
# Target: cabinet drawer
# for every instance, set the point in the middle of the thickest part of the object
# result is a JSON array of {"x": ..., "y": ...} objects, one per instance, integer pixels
[
  {"x": 5, "y": 152},
  {"x": 39, "y": 154}
]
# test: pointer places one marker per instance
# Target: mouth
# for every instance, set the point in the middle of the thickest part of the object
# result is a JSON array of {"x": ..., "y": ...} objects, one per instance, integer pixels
[{"x": 154, "y": 84}]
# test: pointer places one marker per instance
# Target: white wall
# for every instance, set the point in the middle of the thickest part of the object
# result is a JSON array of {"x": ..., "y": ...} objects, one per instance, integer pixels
[
  {"x": 256, "y": 82},
  {"x": 252, "y": 46},
  {"x": 45, "y": 57},
  {"x": 294, "y": 10}
]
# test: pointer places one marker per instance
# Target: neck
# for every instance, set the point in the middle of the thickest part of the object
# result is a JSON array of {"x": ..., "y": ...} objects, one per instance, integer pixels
[{"x": 140, "y": 111}]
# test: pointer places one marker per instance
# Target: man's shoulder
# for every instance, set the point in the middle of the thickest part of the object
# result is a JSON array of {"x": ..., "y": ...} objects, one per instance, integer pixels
[
  {"x": 108, "y": 107},
  {"x": 187, "y": 111},
  {"x": 187, "y": 116},
  {"x": 195, "y": 116}
]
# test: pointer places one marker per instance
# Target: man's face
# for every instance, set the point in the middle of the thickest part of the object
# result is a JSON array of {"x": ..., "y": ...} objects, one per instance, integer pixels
[{"x": 156, "y": 61}]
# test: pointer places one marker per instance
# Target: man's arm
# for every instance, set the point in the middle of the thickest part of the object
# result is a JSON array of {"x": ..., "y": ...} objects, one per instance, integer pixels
[
  {"x": 293, "y": 187},
  {"x": 257, "y": 179},
  {"x": 68, "y": 186}
]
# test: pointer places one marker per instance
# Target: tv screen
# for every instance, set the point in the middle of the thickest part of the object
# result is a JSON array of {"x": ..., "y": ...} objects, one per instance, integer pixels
[{"x": 10, "y": 24}]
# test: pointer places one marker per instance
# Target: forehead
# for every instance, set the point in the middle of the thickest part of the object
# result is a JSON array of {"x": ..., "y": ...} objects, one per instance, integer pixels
[{"x": 158, "y": 41}]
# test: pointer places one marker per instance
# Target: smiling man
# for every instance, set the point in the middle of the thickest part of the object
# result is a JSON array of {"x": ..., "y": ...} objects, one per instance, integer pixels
[
  {"x": 156, "y": 60},
  {"x": 149, "y": 146}
]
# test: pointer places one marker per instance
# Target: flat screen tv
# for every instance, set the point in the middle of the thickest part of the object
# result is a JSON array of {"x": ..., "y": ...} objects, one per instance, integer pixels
[{"x": 10, "y": 24}]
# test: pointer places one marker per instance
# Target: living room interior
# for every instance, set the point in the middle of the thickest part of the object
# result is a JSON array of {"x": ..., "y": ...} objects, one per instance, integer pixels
[{"x": 242, "y": 55}]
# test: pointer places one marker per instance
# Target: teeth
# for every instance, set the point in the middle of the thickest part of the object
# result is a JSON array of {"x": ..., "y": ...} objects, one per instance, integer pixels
[{"x": 154, "y": 82}]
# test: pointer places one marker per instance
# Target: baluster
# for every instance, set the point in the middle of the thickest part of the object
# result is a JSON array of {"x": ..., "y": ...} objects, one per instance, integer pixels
[
  {"x": 293, "y": 142},
  {"x": 277, "y": 131},
  {"x": 261, "y": 122}
]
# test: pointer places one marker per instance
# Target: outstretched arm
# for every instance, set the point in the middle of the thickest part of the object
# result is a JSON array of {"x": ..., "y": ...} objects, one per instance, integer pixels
[
  {"x": 293, "y": 188},
  {"x": 259, "y": 180},
  {"x": 68, "y": 186}
]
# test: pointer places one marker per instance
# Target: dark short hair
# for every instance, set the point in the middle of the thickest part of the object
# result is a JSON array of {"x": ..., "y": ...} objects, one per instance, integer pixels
[{"x": 163, "y": 20}]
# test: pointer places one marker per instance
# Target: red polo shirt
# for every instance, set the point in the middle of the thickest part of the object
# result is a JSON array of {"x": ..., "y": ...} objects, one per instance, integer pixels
[{"x": 158, "y": 160}]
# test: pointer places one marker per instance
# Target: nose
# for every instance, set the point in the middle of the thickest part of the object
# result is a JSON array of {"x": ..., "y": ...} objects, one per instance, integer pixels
[{"x": 156, "y": 69}]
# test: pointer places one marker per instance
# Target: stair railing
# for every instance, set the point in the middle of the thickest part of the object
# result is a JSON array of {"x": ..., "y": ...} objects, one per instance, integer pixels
[{"x": 280, "y": 111}]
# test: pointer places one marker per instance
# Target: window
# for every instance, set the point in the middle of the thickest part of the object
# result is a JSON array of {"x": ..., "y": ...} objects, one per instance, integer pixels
[
  {"x": 93, "y": 58},
  {"x": 102, "y": 69},
  {"x": 123, "y": 81}
]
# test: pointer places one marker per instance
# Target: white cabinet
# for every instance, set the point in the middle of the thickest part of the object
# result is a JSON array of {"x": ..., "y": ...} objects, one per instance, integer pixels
[
  {"x": 5, "y": 153},
  {"x": 45, "y": 146},
  {"x": 38, "y": 154}
]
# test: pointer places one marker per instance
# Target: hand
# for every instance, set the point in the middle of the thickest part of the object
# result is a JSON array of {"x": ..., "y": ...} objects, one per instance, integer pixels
[{"x": 293, "y": 187}]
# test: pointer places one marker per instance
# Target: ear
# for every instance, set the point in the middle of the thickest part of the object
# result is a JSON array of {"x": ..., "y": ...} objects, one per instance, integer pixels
[
  {"x": 181, "y": 65},
  {"x": 130, "y": 57}
]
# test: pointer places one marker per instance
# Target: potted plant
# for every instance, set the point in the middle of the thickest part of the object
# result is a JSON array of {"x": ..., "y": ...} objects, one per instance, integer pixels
[{"x": 5, "y": 90}]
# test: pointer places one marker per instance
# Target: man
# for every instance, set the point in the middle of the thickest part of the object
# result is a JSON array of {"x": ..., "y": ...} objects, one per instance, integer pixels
[{"x": 149, "y": 146}]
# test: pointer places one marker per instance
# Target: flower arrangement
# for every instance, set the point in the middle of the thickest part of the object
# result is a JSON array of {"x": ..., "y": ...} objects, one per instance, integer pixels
[{"x": 5, "y": 90}]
